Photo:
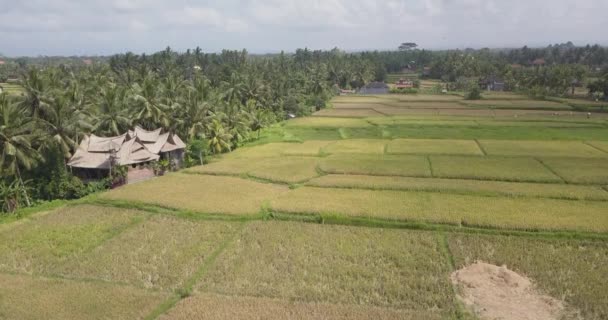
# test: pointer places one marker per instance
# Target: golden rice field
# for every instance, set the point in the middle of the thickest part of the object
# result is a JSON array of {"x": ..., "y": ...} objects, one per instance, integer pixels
[
  {"x": 349, "y": 214},
  {"x": 200, "y": 193},
  {"x": 462, "y": 186},
  {"x": 444, "y": 208}
]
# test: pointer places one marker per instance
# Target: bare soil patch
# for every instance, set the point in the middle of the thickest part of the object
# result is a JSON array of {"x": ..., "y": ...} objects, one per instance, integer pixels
[{"x": 494, "y": 292}]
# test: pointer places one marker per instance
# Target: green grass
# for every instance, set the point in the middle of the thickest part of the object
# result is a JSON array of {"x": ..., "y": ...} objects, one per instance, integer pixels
[
  {"x": 375, "y": 146},
  {"x": 492, "y": 168},
  {"x": 456, "y": 209},
  {"x": 240, "y": 308},
  {"x": 388, "y": 165},
  {"x": 161, "y": 253},
  {"x": 574, "y": 271},
  {"x": 45, "y": 243},
  {"x": 334, "y": 264},
  {"x": 201, "y": 194},
  {"x": 541, "y": 148},
  {"x": 461, "y": 186},
  {"x": 575, "y": 170},
  {"x": 433, "y": 146},
  {"x": 25, "y": 297}
]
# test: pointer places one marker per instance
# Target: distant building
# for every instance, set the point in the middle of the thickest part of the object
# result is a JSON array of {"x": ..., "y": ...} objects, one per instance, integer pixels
[
  {"x": 375, "y": 88},
  {"x": 87, "y": 62},
  {"x": 539, "y": 62},
  {"x": 2, "y": 62},
  {"x": 404, "y": 84},
  {"x": 345, "y": 92},
  {"x": 492, "y": 83}
]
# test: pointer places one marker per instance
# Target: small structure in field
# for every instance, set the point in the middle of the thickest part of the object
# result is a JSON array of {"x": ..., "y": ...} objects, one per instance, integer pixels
[
  {"x": 345, "y": 92},
  {"x": 404, "y": 84},
  {"x": 138, "y": 149},
  {"x": 492, "y": 83},
  {"x": 2, "y": 62},
  {"x": 375, "y": 88}
]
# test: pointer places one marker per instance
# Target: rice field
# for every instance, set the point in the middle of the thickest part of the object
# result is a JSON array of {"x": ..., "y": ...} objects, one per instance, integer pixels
[
  {"x": 161, "y": 253},
  {"x": 518, "y": 104},
  {"x": 575, "y": 170},
  {"x": 541, "y": 148},
  {"x": 454, "y": 209},
  {"x": 323, "y": 218},
  {"x": 387, "y": 165},
  {"x": 334, "y": 264},
  {"x": 373, "y": 146},
  {"x": 212, "y": 306},
  {"x": 200, "y": 193},
  {"x": 433, "y": 146},
  {"x": 43, "y": 245},
  {"x": 518, "y": 169},
  {"x": 25, "y": 297},
  {"x": 462, "y": 186},
  {"x": 574, "y": 271}
]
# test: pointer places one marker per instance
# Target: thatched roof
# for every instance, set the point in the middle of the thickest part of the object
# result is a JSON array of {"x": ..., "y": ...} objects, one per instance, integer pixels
[{"x": 135, "y": 146}]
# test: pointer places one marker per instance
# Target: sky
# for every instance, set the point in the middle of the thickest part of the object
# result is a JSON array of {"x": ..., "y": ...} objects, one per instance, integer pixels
[{"x": 102, "y": 27}]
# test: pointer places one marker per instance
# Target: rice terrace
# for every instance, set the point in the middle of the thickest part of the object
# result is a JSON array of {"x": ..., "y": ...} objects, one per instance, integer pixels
[{"x": 411, "y": 183}]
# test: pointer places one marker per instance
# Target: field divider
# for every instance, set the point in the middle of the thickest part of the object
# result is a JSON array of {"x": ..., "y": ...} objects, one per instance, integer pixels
[
  {"x": 337, "y": 219},
  {"x": 594, "y": 147},
  {"x": 186, "y": 290},
  {"x": 551, "y": 170},
  {"x": 444, "y": 247},
  {"x": 428, "y": 160},
  {"x": 481, "y": 147}
]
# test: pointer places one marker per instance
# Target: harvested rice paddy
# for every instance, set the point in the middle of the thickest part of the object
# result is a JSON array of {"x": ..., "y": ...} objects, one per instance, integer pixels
[
  {"x": 571, "y": 270},
  {"x": 574, "y": 170},
  {"x": 25, "y": 297},
  {"x": 374, "y": 146},
  {"x": 334, "y": 264}
]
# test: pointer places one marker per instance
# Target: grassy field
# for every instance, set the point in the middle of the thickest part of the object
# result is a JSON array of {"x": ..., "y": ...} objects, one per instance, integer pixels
[{"x": 349, "y": 214}]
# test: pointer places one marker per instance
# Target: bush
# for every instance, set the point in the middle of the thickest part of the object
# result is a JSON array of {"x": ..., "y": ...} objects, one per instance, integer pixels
[
  {"x": 473, "y": 92},
  {"x": 404, "y": 91}
]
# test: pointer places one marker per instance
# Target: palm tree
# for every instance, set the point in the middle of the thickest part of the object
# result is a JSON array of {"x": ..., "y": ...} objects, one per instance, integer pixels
[
  {"x": 147, "y": 109},
  {"x": 16, "y": 142},
  {"x": 219, "y": 139},
  {"x": 10, "y": 196},
  {"x": 35, "y": 87},
  {"x": 60, "y": 126},
  {"x": 113, "y": 118}
]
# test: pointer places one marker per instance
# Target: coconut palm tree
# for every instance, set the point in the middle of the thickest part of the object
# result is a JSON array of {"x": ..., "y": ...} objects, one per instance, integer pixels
[
  {"x": 60, "y": 126},
  {"x": 16, "y": 149},
  {"x": 219, "y": 139},
  {"x": 112, "y": 115}
]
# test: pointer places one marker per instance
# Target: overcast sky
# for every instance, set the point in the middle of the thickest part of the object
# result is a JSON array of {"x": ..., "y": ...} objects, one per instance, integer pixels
[{"x": 96, "y": 27}]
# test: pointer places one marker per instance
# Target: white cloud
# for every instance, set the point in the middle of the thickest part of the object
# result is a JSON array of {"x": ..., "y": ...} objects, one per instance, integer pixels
[{"x": 43, "y": 26}]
